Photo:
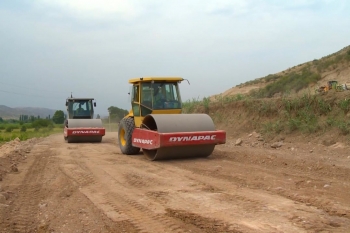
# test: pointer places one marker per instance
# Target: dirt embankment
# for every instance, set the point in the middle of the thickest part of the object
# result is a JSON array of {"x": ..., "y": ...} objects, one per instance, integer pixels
[{"x": 246, "y": 185}]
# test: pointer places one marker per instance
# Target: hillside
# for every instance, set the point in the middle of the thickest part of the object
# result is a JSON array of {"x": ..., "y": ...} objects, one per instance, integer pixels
[
  {"x": 285, "y": 105},
  {"x": 335, "y": 66},
  {"x": 14, "y": 113}
]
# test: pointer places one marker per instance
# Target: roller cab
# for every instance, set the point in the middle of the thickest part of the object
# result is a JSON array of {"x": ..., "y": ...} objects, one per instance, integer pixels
[
  {"x": 80, "y": 125},
  {"x": 156, "y": 124}
]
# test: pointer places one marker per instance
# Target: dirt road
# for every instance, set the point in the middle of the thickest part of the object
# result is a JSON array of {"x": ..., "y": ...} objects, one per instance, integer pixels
[{"x": 86, "y": 187}]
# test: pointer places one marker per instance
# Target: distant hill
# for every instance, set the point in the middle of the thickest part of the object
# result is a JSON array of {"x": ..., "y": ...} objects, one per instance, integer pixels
[{"x": 14, "y": 113}]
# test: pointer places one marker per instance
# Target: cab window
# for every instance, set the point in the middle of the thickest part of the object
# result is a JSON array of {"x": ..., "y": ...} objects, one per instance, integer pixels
[{"x": 135, "y": 100}]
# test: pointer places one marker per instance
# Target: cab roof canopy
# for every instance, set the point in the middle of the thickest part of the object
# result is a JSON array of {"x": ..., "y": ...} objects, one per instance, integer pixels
[
  {"x": 77, "y": 99},
  {"x": 159, "y": 79}
]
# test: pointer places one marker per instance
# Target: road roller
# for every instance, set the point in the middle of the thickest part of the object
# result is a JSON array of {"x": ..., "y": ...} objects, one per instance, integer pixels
[
  {"x": 81, "y": 125},
  {"x": 157, "y": 125}
]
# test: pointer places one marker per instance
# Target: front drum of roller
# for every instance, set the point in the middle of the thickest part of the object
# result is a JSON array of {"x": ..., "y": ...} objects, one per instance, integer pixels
[
  {"x": 171, "y": 123},
  {"x": 84, "y": 124}
]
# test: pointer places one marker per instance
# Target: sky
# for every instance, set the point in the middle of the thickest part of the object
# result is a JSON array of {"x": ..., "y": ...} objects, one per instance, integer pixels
[{"x": 91, "y": 48}]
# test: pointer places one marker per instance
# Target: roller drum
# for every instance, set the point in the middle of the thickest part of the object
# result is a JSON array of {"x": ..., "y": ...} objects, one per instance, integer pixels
[
  {"x": 171, "y": 123},
  {"x": 86, "y": 124}
]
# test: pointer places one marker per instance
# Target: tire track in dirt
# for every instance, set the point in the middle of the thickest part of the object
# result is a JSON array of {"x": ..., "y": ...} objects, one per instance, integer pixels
[
  {"x": 300, "y": 176},
  {"x": 22, "y": 212},
  {"x": 145, "y": 214},
  {"x": 75, "y": 168},
  {"x": 181, "y": 197},
  {"x": 76, "y": 172},
  {"x": 153, "y": 178},
  {"x": 247, "y": 203},
  {"x": 279, "y": 196},
  {"x": 332, "y": 207},
  {"x": 125, "y": 208},
  {"x": 145, "y": 218}
]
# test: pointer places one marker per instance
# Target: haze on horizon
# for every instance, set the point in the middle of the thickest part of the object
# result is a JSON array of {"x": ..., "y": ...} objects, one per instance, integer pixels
[{"x": 50, "y": 48}]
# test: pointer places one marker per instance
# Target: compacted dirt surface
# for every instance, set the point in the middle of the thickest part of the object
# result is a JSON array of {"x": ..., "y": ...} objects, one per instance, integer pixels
[{"x": 48, "y": 185}]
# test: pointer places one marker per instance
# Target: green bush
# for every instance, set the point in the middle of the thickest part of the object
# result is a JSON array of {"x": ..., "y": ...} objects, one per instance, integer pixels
[
  {"x": 345, "y": 105},
  {"x": 272, "y": 127},
  {"x": 23, "y": 128},
  {"x": 293, "y": 124},
  {"x": 206, "y": 101},
  {"x": 331, "y": 121},
  {"x": 9, "y": 129},
  {"x": 344, "y": 127},
  {"x": 50, "y": 127},
  {"x": 41, "y": 123}
]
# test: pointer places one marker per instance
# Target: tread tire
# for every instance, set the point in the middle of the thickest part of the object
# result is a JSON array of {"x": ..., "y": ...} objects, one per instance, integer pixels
[{"x": 127, "y": 125}]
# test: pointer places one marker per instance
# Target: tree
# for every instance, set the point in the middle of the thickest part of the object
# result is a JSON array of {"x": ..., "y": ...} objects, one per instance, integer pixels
[
  {"x": 58, "y": 117},
  {"x": 32, "y": 118},
  {"x": 117, "y": 113}
]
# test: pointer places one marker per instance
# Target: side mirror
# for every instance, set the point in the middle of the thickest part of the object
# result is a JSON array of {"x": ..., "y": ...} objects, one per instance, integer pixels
[
  {"x": 66, "y": 103},
  {"x": 94, "y": 104}
]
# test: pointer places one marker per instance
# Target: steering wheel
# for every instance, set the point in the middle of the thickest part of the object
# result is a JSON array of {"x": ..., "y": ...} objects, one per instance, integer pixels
[{"x": 172, "y": 103}]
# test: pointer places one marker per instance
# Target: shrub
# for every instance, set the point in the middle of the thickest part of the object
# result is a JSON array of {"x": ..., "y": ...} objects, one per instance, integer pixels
[
  {"x": 50, "y": 127},
  {"x": 9, "y": 129},
  {"x": 206, "y": 101},
  {"x": 331, "y": 121},
  {"x": 293, "y": 124},
  {"x": 344, "y": 127},
  {"x": 273, "y": 127},
  {"x": 41, "y": 123},
  {"x": 345, "y": 105},
  {"x": 23, "y": 128}
]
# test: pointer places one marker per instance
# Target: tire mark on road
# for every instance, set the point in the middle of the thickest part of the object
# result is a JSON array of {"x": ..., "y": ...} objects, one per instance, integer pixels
[
  {"x": 22, "y": 212},
  {"x": 115, "y": 205}
]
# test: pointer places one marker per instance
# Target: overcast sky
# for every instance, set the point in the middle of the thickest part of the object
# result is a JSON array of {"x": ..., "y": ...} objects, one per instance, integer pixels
[{"x": 50, "y": 48}]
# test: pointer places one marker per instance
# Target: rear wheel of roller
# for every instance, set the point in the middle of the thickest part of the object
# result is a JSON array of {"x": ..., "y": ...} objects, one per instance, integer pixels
[{"x": 125, "y": 130}]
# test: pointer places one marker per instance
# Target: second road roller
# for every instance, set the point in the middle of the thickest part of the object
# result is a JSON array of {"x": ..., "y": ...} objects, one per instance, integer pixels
[
  {"x": 157, "y": 125},
  {"x": 81, "y": 125}
]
